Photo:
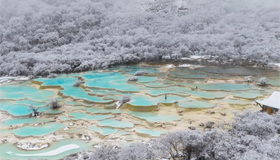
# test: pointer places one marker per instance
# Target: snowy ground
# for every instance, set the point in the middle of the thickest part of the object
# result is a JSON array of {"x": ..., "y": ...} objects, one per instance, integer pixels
[
  {"x": 50, "y": 153},
  {"x": 10, "y": 79}
]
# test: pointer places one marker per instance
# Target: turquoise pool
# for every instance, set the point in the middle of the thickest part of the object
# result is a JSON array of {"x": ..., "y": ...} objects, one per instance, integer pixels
[
  {"x": 78, "y": 115},
  {"x": 154, "y": 117},
  {"x": 115, "y": 124},
  {"x": 103, "y": 130},
  {"x": 38, "y": 130},
  {"x": 57, "y": 150},
  {"x": 24, "y": 90},
  {"x": 90, "y": 108},
  {"x": 153, "y": 133}
]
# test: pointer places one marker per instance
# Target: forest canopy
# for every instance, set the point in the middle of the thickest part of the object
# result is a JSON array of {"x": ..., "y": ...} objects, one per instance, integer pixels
[{"x": 39, "y": 37}]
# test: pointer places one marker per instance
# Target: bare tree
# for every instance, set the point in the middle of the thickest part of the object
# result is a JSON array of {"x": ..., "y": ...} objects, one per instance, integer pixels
[{"x": 34, "y": 110}]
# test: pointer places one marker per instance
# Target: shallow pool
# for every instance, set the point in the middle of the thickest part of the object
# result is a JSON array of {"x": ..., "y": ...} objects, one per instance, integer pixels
[
  {"x": 24, "y": 90},
  {"x": 157, "y": 97},
  {"x": 57, "y": 150},
  {"x": 153, "y": 133},
  {"x": 103, "y": 130},
  {"x": 154, "y": 117},
  {"x": 115, "y": 124},
  {"x": 78, "y": 115},
  {"x": 38, "y": 130}
]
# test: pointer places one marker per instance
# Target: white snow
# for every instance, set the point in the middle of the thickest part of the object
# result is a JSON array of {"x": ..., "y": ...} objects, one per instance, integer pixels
[
  {"x": 277, "y": 64},
  {"x": 50, "y": 153},
  {"x": 272, "y": 101},
  {"x": 9, "y": 79},
  {"x": 66, "y": 129},
  {"x": 197, "y": 57},
  {"x": 184, "y": 65},
  {"x": 118, "y": 104},
  {"x": 185, "y": 58},
  {"x": 170, "y": 66},
  {"x": 190, "y": 66},
  {"x": 29, "y": 146}
]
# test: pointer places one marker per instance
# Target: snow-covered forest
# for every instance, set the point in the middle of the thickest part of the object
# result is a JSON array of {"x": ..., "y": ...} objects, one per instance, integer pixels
[
  {"x": 252, "y": 136},
  {"x": 49, "y": 36}
]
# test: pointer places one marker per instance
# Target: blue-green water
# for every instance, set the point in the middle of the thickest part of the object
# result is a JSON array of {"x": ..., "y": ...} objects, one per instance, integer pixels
[
  {"x": 115, "y": 81},
  {"x": 77, "y": 115},
  {"x": 62, "y": 80},
  {"x": 94, "y": 101},
  {"x": 103, "y": 130},
  {"x": 225, "y": 86},
  {"x": 237, "y": 102},
  {"x": 57, "y": 150},
  {"x": 145, "y": 79},
  {"x": 18, "y": 109},
  {"x": 158, "y": 92},
  {"x": 198, "y": 93},
  {"x": 103, "y": 111},
  {"x": 38, "y": 130},
  {"x": 145, "y": 100},
  {"x": 53, "y": 112},
  {"x": 29, "y": 102},
  {"x": 153, "y": 117},
  {"x": 153, "y": 133},
  {"x": 252, "y": 94},
  {"x": 79, "y": 93},
  {"x": 24, "y": 90},
  {"x": 24, "y": 120},
  {"x": 237, "y": 71},
  {"x": 275, "y": 80},
  {"x": 196, "y": 104},
  {"x": 115, "y": 124}
]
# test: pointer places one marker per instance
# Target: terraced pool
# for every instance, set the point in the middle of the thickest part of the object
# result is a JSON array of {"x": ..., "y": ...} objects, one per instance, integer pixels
[{"x": 160, "y": 102}]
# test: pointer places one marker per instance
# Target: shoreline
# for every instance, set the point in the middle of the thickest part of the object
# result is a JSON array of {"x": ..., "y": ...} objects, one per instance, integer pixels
[{"x": 194, "y": 60}]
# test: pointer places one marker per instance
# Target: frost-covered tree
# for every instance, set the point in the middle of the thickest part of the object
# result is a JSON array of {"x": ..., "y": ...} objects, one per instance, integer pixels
[
  {"x": 132, "y": 79},
  {"x": 262, "y": 81},
  {"x": 53, "y": 104},
  {"x": 249, "y": 78},
  {"x": 78, "y": 83},
  {"x": 72, "y": 36},
  {"x": 140, "y": 73},
  {"x": 105, "y": 153},
  {"x": 124, "y": 99},
  {"x": 137, "y": 151},
  {"x": 52, "y": 75}
]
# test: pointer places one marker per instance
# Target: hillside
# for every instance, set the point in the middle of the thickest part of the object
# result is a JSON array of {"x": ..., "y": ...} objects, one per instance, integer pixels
[{"x": 38, "y": 37}]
